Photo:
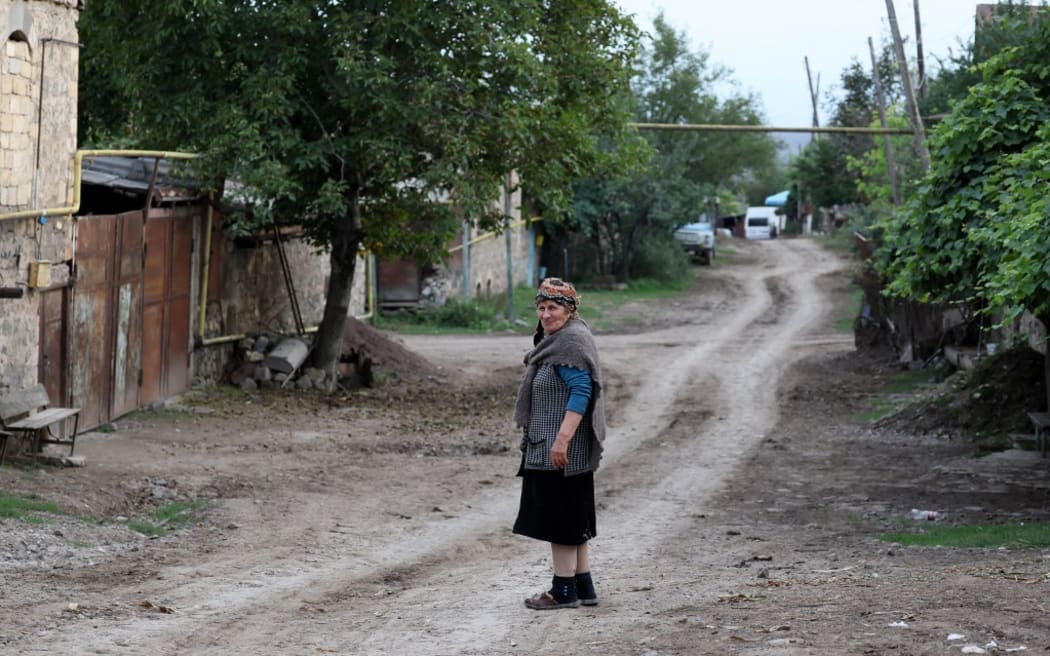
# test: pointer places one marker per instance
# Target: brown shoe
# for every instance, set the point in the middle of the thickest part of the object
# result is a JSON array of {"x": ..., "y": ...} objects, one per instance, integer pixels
[{"x": 544, "y": 601}]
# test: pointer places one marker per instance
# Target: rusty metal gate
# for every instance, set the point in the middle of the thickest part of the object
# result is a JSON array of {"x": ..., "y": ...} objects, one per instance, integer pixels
[
  {"x": 166, "y": 304},
  {"x": 130, "y": 324}
]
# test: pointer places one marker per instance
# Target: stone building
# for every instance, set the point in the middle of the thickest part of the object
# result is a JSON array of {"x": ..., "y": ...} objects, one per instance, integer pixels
[
  {"x": 477, "y": 266},
  {"x": 38, "y": 103}
]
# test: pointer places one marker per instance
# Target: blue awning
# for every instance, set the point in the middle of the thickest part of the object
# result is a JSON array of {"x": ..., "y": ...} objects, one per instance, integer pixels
[{"x": 777, "y": 200}]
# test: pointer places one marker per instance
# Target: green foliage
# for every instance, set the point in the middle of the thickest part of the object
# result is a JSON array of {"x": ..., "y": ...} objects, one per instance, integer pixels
[
  {"x": 169, "y": 517},
  {"x": 821, "y": 171},
  {"x": 961, "y": 70},
  {"x": 896, "y": 393},
  {"x": 375, "y": 124},
  {"x": 976, "y": 231},
  {"x": 457, "y": 314},
  {"x": 871, "y": 172},
  {"x": 1023, "y": 535},
  {"x": 680, "y": 173},
  {"x": 847, "y": 313},
  {"x": 480, "y": 315},
  {"x": 661, "y": 258},
  {"x": 24, "y": 507},
  {"x": 834, "y": 169}
]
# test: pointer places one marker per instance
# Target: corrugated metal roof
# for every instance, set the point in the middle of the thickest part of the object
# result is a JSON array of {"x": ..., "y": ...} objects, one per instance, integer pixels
[{"x": 132, "y": 175}]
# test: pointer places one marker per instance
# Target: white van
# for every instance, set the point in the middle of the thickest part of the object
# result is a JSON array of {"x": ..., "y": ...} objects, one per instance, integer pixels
[{"x": 760, "y": 223}]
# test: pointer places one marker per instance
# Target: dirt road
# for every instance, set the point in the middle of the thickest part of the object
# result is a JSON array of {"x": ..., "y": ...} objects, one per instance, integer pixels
[{"x": 733, "y": 517}]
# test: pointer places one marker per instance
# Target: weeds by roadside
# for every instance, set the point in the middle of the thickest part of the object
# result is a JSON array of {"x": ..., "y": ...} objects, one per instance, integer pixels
[
  {"x": 170, "y": 517},
  {"x": 33, "y": 510},
  {"x": 1022, "y": 535},
  {"x": 898, "y": 392},
  {"x": 24, "y": 508},
  {"x": 486, "y": 315}
]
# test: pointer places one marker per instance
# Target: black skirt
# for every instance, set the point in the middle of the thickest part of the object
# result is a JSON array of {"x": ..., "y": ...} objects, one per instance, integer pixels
[{"x": 556, "y": 508}]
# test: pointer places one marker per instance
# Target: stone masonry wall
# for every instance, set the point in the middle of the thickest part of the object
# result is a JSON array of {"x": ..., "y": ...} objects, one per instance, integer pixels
[
  {"x": 254, "y": 299},
  {"x": 38, "y": 96},
  {"x": 488, "y": 260}
]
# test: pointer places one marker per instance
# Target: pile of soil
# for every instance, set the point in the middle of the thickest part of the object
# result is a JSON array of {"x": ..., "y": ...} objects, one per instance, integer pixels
[
  {"x": 985, "y": 404},
  {"x": 370, "y": 349}
]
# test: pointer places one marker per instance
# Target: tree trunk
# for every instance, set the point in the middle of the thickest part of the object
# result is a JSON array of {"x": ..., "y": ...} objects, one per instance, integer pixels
[{"x": 343, "y": 257}]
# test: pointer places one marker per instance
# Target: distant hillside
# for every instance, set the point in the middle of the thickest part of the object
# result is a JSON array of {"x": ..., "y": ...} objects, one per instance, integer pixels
[{"x": 791, "y": 144}]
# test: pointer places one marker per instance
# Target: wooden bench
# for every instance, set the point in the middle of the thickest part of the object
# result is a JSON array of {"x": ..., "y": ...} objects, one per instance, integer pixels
[
  {"x": 26, "y": 413},
  {"x": 1041, "y": 422}
]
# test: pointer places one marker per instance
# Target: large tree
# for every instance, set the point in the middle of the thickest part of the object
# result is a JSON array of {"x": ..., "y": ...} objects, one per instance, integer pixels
[
  {"x": 376, "y": 123},
  {"x": 823, "y": 168},
  {"x": 684, "y": 170}
]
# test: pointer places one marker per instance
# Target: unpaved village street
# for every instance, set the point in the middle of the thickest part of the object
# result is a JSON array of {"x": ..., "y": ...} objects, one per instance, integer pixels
[{"x": 739, "y": 504}]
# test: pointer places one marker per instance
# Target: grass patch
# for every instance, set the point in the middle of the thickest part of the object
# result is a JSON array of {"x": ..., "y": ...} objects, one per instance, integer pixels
[
  {"x": 896, "y": 393},
  {"x": 907, "y": 382},
  {"x": 481, "y": 315},
  {"x": 170, "y": 517},
  {"x": 1023, "y": 535},
  {"x": 486, "y": 315},
  {"x": 24, "y": 507},
  {"x": 840, "y": 241},
  {"x": 880, "y": 409}
]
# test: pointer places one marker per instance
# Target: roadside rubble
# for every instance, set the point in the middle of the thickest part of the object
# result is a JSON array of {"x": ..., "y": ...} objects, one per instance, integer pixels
[{"x": 282, "y": 362}]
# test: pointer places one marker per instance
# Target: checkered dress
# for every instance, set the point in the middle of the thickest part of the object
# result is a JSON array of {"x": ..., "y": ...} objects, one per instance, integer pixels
[{"x": 550, "y": 395}]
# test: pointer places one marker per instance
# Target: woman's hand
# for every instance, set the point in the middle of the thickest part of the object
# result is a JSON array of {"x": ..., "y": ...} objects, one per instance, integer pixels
[
  {"x": 560, "y": 451},
  {"x": 560, "y": 448}
]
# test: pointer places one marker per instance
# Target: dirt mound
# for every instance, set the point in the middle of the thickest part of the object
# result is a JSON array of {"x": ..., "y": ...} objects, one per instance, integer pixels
[
  {"x": 370, "y": 350},
  {"x": 985, "y": 404}
]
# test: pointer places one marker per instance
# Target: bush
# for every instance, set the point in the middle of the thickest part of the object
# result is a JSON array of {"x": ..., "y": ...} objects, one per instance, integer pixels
[
  {"x": 660, "y": 257},
  {"x": 456, "y": 313}
]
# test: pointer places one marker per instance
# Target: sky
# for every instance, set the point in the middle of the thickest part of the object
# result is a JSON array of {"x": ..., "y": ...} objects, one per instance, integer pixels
[{"x": 765, "y": 42}]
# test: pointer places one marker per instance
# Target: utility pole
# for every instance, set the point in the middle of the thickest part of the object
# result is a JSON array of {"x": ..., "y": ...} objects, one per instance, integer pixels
[
  {"x": 510, "y": 251},
  {"x": 814, "y": 94},
  {"x": 920, "y": 60},
  {"x": 880, "y": 97},
  {"x": 918, "y": 132}
]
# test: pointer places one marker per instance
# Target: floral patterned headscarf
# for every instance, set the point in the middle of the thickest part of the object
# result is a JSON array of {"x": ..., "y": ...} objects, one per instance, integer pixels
[{"x": 559, "y": 291}]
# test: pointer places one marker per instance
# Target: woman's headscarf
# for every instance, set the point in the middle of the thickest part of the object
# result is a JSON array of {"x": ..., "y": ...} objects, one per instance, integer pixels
[{"x": 561, "y": 292}]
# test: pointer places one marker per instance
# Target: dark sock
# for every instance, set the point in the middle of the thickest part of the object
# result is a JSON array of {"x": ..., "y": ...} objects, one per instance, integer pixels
[
  {"x": 563, "y": 589},
  {"x": 585, "y": 586}
]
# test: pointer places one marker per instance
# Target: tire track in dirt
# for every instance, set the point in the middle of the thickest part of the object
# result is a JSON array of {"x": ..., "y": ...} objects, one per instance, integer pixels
[{"x": 465, "y": 576}]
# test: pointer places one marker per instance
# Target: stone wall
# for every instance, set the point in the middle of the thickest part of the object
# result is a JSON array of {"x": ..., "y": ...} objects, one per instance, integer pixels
[
  {"x": 38, "y": 96},
  {"x": 249, "y": 296},
  {"x": 488, "y": 261}
]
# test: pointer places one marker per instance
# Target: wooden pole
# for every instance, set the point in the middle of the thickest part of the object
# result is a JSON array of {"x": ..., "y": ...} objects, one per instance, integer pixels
[
  {"x": 814, "y": 95},
  {"x": 918, "y": 132},
  {"x": 920, "y": 59},
  {"x": 880, "y": 97}
]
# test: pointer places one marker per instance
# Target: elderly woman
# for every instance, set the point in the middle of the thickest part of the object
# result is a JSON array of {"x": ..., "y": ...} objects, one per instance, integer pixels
[{"x": 561, "y": 409}]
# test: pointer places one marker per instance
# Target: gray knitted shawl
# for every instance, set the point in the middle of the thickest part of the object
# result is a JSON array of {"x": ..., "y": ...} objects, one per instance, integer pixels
[{"x": 571, "y": 346}]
